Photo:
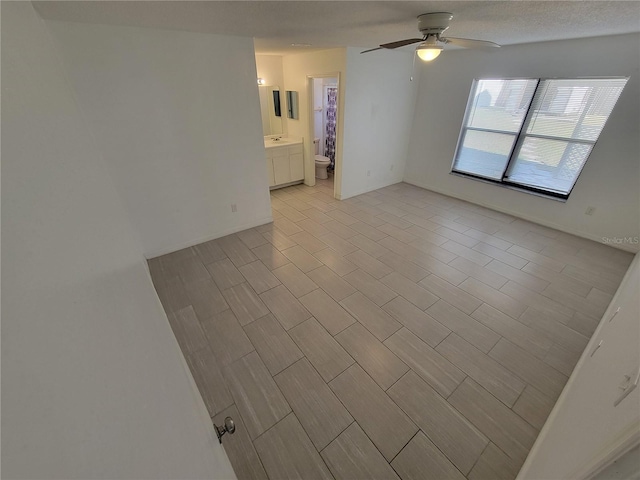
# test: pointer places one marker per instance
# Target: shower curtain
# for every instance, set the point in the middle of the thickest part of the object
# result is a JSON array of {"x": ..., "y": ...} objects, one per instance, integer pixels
[{"x": 330, "y": 125}]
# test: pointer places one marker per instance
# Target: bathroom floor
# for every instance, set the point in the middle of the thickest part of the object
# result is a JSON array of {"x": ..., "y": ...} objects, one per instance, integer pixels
[{"x": 397, "y": 334}]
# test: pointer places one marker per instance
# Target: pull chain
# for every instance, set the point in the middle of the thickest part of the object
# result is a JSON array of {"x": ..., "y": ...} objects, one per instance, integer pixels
[{"x": 413, "y": 67}]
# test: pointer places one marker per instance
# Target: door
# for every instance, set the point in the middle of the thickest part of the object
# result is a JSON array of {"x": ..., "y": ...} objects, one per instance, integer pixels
[{"x": 281, "y": 171}]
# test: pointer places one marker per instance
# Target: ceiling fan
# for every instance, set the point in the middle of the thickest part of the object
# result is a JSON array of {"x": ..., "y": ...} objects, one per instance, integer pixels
[{"x": 432, "y": 25}]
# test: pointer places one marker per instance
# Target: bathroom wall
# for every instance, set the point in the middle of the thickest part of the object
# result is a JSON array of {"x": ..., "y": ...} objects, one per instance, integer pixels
[
  {"x": 269, "y": 68},
  {"x": 379, "y": 108},
  {"x": 318, "y": 111},
  {"x": 93, "y": 381},
  {"x": 176, "y": 117},
  {"x": 296, "y": 69},
  {"x": 609, "y": 180}
]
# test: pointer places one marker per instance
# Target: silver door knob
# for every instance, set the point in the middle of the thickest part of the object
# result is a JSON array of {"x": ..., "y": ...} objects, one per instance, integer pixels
[{"x": 229, "y": 426}]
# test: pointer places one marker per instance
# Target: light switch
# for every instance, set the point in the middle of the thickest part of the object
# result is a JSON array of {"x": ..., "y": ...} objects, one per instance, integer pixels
[{"x": 628, "y": 385}]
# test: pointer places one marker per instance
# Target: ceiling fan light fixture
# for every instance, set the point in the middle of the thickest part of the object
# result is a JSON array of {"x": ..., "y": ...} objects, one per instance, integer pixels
[{"x": 428, "y": 51}]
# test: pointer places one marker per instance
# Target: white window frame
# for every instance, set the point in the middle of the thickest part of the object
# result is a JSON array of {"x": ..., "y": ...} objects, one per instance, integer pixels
[{"x": 521, "y": 136}]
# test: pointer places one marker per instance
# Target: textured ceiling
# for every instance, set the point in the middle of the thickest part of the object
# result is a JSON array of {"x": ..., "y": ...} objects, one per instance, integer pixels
[{"x": 275, "y": 25}]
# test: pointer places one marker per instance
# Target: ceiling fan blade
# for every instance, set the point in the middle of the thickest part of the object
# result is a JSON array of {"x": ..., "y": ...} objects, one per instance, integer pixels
[
  {"x": 371, "y": 50},
  {"x": 469, "y": 43},
  {"x": 401, "y": 43}
]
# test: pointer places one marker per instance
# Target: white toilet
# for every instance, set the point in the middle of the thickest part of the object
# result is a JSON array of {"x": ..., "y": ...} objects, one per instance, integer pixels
[{"x": 321, "y": 162}]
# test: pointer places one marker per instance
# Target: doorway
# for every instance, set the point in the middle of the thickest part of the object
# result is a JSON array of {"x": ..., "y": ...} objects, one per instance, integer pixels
[{"x": 323, "y": 127}]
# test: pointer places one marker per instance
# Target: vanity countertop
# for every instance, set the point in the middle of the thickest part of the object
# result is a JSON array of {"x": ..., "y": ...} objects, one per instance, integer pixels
[{"x": 282, "y": 142}]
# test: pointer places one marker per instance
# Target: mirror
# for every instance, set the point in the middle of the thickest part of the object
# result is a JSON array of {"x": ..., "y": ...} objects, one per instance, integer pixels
[
  {"x": 292, "y": 104},
  {"x": 270, "y": 109}
]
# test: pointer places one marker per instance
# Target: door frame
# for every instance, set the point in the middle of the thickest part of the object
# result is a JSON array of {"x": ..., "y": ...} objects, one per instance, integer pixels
[{"x": 337, "y": 174}]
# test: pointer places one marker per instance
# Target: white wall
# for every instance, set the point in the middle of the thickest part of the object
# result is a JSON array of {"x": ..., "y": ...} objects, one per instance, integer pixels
[
  {"x": 176, "y": 116},
  {"x": 610, "y": 179},
  {"x": 296, "y": 68},
  {"x": 375, "y": 110},
  {"x": 93, "y": 381},
  {"x": 269, "y": 68},
  {"x": 379, "y": 105},
  {"x": 318, "y": 124},
  {"x": 584, "y": 427}
]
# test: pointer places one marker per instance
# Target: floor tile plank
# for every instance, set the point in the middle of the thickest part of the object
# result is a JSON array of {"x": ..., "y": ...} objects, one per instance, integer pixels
[
  {"x": 245, "y": 303},
  {"x": 226, "y": 337},
  {"x": 502, "y": 426},
  {"x": 353, "y": 456},
  {"x": 495, "y": 465},
  {"x": 495, "y": 298},
  {"x": 458, "y": 439},
  {"x": 338, "y": 244},
  {"x": 385, "y": 424},
  {"x": 404, "y": 267},
  {"x": 251, "y": 238},
  {"x": 483, "y": 274},
  {"x": 256, "y": 395},
  {"x": 518, "y": 333},
  {"x": 288, "y": 454},
  {"x": 301, "y": 258},
  {"x": 534, "y": 406},
  {"x": 286, "y": 308},
  {"x": 423, "y": 325},
  {"x": 309, "y": 242},
  {"x": 295, "y": 280},
  {"x": 209, "y": 252},
  {"x": 320, "y": 348},
  {"x": 188, "y": 330},
  {"x": 259, "y": 276},
  {"x": 273, "y": 344},
  {"x": 376, "y": 291},
  {"x": 236, "y": 250},
  {"x": 421, "y": 456},
  {"x": 376, "y": 320},
  {"x": 335, "y": 261},
  {"x": 209, "y": 379},
  {"x": 206, "y": 299},
  {"x": 369, "y": 264},
  {"x": 519, "y": 276},
  {"x": 331, "y": 283},
  {"x": 172, "y": 294},
  {"x": 375, "y": 358},
  {"x": 498, "y": 254},
  {"x": 562, "y": 359},
  {"x": 436, "y": 370},
  {"x": 411, "y": 291},
  {"x": 319, "y": 411},
  {"x": 493, "y": 376},
  {"x": 452, "y": 294},
  {"x": 469, "y": 328},
  {"x": 327, "y": 311},
  {"x": 552, "y": 326},
  {"x": 531, "y": 369}
]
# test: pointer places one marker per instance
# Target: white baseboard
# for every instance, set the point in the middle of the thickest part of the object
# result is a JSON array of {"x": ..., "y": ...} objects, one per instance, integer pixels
[
  {"x": 213, "y": 236},
  {"x": 589, "y": 236},
  {"x": 369, "y": 189}
]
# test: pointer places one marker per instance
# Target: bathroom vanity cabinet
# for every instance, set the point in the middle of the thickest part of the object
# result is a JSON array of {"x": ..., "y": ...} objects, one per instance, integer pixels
[{"x": 285, "y": 163}]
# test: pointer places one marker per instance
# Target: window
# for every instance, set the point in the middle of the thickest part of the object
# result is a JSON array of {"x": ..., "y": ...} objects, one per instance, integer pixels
[{"x": 534, "y": 134}]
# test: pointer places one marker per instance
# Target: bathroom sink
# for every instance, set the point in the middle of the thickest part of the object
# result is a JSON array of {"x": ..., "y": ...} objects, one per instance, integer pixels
[{"x": 272, "y": 142}]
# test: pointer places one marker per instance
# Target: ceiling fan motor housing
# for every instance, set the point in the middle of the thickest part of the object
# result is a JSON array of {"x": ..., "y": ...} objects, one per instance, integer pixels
[{"x": 434, "y": 23}]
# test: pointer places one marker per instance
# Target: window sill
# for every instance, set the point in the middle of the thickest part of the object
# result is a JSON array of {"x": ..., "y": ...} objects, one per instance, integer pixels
[{"x": 509, "y": 186}]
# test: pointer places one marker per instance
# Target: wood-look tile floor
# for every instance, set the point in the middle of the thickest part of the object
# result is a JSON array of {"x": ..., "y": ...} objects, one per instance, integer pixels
[{"x": 397, "y": 334}]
